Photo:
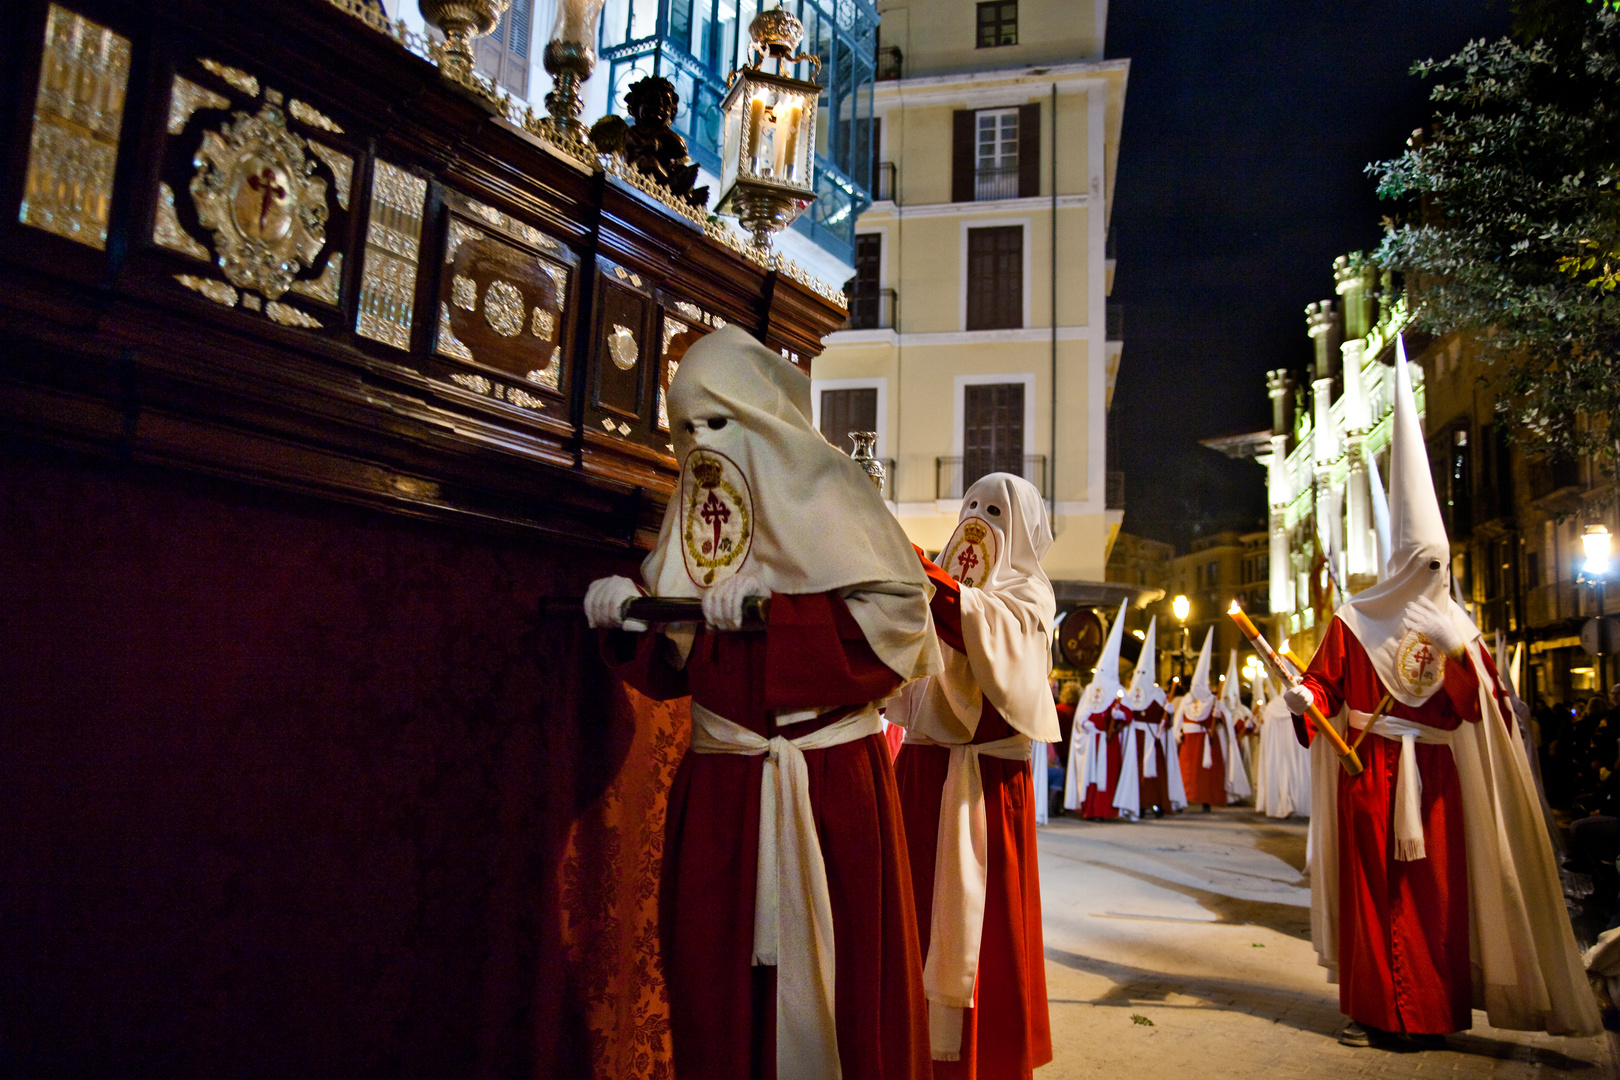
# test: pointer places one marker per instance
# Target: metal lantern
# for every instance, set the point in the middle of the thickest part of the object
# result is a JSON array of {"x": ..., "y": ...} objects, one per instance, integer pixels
[{"x": 767, "y": 164}]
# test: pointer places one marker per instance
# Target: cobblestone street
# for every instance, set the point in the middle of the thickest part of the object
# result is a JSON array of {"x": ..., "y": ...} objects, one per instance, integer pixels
[{"x": 1181, "y": 949}]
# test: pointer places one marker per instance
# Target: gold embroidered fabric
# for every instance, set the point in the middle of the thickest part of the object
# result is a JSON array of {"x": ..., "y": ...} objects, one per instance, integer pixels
[{"x": 610, "y": 879}]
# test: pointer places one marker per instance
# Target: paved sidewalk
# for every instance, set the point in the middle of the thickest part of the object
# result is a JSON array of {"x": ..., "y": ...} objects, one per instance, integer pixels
[{"x": 1181, "y": 949}]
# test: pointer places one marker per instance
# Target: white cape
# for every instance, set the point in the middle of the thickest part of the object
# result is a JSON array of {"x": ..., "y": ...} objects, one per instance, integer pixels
[{"x": 1283, "y": 787}]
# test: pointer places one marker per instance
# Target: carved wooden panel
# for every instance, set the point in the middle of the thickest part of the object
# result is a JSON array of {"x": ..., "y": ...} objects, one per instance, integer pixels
[
  {"x": 505, "y": 306},
  {"x": 254, "y": 204},
  {"x": 623, "y": 358},
  {"x": 681, "y": 323}
]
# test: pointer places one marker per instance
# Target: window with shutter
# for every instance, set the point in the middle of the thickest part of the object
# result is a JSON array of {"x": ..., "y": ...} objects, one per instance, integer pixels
[
  {"x": 992, "y": 430},
  {"x": 995, "y": 285},
  {"x": 862, "y": 289},
  {"x": 995, "y": 172},
  {"x": 504, "y": 55},
  {"x": 844, "y": 411}
]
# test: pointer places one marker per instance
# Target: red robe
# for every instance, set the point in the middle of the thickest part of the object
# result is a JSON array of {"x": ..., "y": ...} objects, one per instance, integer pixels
[
  {"x": 1097, "y": 803},
  {"x": 1403, "y": 926},
  {"x": 722, "y": 1009},
  {"x": 1204, "y": 785},
  {"x": 1152, "y": 790},
  {"x": 1007, "y": 1034}
]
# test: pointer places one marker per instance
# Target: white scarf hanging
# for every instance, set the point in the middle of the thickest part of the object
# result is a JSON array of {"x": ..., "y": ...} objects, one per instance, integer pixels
[{"x": 793, "y": 928}]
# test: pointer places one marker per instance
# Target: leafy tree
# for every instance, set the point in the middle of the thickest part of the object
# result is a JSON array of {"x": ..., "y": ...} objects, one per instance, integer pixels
[{"x": 1513, "y": 227}]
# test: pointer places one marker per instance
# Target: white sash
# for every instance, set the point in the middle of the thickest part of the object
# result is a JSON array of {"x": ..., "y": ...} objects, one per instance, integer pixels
[
  {"x": 790, "y": 889},
  {"x": 1408, "y": 781},
  {"x": 960, "y": 880}
]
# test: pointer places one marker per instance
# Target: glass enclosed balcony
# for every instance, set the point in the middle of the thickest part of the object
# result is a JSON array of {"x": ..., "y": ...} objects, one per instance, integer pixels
[{"x": 697, "y": 43}]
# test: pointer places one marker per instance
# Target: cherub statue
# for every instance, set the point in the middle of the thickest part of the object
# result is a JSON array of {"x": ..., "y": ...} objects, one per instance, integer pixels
[{"x": 650, "y": 145}]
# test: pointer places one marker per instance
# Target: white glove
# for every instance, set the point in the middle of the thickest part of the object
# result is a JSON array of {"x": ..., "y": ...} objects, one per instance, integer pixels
[
  {"x": 604, "y": 604},
  {"x": 1298, "y": 699},
  {"x": 1428, "y": 619},
  {"x": 723, "y": 604}
]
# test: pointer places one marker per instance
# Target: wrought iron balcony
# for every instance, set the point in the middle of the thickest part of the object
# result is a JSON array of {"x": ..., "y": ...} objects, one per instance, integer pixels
[
  {"x": 872, "y": 309},
  {"x": 884, "y": 185},
  {"x": 1000, "y": 182},
  {"x": 954, "y": 475}
]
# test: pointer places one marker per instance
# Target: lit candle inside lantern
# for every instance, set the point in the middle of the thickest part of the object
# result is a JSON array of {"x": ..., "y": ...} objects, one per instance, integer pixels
[
  {"x": 756, "y": 120},
  {"x": 785, "y": 162}
]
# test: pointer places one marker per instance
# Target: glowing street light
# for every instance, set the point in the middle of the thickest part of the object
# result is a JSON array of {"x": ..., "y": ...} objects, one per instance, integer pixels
[
  {"x": 1597, "y": 543},
  {"x": 1596, "y": 540},
  {"x": 1181, "y": 606}
]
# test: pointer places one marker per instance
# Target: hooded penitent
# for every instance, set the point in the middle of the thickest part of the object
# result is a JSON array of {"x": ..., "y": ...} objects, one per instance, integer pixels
[
  {"x": 1006, "y": 606},
  {"x": 1145, "y": 688},
  {"x": 758, "y": 486},
  {"x": 1200, "y": 697},
  {"x": 1104, "y": 686},
  {"x": 1237, "y": 775},
  {"x": 1199, "y": 700},
  {"x": 1419, "y": 564},
  {"x": 1007, "y": 613},
  {"x": 1143, "y": 740},
  {"x": 1088, "y": 744},
  {"x": 1526, "y": 972}
]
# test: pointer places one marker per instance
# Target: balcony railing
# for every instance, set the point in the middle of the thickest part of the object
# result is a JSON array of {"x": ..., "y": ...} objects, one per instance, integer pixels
[
  {"x": 888, "y": 63},
  {"x": 995, "y": 183},
  {"x": 871, "y": 310},
  {"x": 883, "y": 182},
  {"x": 954, "y": 475}
]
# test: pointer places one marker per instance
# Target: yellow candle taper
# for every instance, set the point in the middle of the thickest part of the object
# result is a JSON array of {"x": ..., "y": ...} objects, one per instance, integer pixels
[
  {"x": 1268, "y": 655},
  {"x": 756, "y": 118},
  {"x": 784, "y": 164}
]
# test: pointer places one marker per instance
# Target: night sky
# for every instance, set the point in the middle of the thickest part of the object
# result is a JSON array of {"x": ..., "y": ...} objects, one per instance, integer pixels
[{"x": 1247, "y": 129}]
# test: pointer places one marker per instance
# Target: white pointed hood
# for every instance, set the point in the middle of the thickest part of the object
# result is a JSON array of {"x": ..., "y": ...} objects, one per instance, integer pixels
[
  {"x": 1145, "y": 689},
  {"x": 1410, "y": 667},
  {"x": 1380, "y": 510},
  {"x": 1200, "y": 697},
  {"x": 1104, "y": 686},
  {"x": 1232, "y": 686}
]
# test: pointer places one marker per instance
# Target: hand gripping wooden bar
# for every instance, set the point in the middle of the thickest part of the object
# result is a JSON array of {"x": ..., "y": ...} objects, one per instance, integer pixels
[
  {"x": 663, "y": 610},
  {"x": 1347, "y": 754}
]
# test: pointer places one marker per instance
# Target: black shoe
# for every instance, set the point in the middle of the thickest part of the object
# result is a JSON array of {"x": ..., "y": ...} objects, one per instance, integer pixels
[
  {"x": 1354, "y": 1034},
  {"x": 1425, "y": 1042},
  {"x": 1206, "y": 808}
]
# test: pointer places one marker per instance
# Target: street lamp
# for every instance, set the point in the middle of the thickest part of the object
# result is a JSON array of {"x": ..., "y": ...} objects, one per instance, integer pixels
[
  {"x": 1597, "y": 541},
  {"x": 1180, "y": 606}
]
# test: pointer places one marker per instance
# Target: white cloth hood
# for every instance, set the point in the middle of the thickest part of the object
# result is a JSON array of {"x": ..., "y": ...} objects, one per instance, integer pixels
[
  {"x": 1197, "y": 703},
  {"x": 1001, "y": 536},
  {"x": 1231, "y": 688},
  {"x": 761, "y": 492},
  {"x": 1104, "y": 686},
  {"x": 1145, "y": 689},
  {"x": 1410, "y": 667}
]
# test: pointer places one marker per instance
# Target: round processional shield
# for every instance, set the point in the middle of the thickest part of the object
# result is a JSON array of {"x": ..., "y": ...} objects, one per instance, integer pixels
[{"x": 1081, "y": 639}]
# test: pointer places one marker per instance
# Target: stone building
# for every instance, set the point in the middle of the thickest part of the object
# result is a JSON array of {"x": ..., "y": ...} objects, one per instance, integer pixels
[
  {"x": 979, "y": 337},
  {"x": 1329, "y": 436},
  {"x": 1515, "y": 521}
]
